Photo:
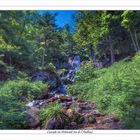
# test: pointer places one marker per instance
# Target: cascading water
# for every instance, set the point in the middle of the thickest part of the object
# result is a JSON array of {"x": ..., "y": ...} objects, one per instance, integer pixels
[{"x": 68, "y": 76}]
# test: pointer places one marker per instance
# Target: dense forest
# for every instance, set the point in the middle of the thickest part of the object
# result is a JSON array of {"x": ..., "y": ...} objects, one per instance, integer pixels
[{"x": 85, "y": 75}]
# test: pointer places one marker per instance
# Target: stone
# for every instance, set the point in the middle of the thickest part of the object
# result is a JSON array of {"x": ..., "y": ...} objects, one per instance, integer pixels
[
  {"x": 30, "y": 104},
  {"x": 90, "y": 118},
  {"x": 59, "y": 90},
  {"x": 76, "y": 62},
  {"x": 51, "y": 124},
  {"x": 74, "y": 98},
  {"x": 93, "y": 105},
  {"x": 81, "y": 119},
  {"x": 32, "y": 116},
  {"x": 84, "y": 112},
  {"x": 96, "y": 113},
  {"x": 37, "y": 103},
  {"x": 66, "y": 104},
  {"x": 80, "y": 101},
  {"x": 62, "y": 89},
  {"x": 65, "y": 98},
  {"x": 55, "y": 123},
  {"x": 109, "y": 118},
  {"x": 52, "y": 99},
  {"x": 73, "y": 125},
  {"x": 69, "y": 112},
  {"x": 47, "y": 77},
  {"x": 84, "y": 106}
]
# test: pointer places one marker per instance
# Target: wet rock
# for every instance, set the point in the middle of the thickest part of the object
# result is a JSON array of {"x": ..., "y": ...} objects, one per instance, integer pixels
[
  {"x": 76, "y": 62},
  {"x": 66, "y": 104},
  {"x": 74, "y": 98},
  {"x": 93, "y": 105},
  {"x": 33, "y": 118},
  {"x": 68, "y": 76},
  {"x": 41, "y": 103},
  {"x": 74, "y": 65},
  {"x": 51, "y": 124},
  {"x": 109, "y": 122},
  {"x": 80, "y": 101},
  {"x": 108, "y": 119},
  {"x": 55, "y": 123},
  {"x": 85, "y": 106},
  {"x": 83, "y": 112},
  {"x": 76, "y": 114},
  {"x": 52, "y": 99},
  {"x": 65, "y": 98},
  {"x": 73, "y": 125},
  {"x": 60, "y": 89},
  {"x": 47, "y": 77},
  {"x": 37, "y": 103},
  {"x": 30, "y": 104},
  {"x": 47, "y": 96},
  {"x": 81, "y": 119},
  {"x": 96, "y": 113},
  {"x": 91, "y": 119}
]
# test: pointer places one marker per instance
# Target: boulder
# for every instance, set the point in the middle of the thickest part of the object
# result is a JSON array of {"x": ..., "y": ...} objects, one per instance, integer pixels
[
  {"x": 66, "y": 104},
  {"x": 88, "y": 118},
  {"x": 55, "y": 123},
  {"x": 76, "y": 62},
  {"x": 65, "y": 99},
  {"x": 69, "y": 112},
  {"x": 33, "y": 118},
  {"x": 85, "y": 106},
  {"x": 51, "y": 124},
  {"x": 48, "y": 77},
  {"x": 52, "y": 99},
  {"x": 73, "y": 125},
  {"x": 96, "y": 113}
]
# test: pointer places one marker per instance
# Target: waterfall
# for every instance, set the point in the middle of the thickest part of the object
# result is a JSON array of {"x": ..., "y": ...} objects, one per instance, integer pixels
[{"x": 68, "y": 77}]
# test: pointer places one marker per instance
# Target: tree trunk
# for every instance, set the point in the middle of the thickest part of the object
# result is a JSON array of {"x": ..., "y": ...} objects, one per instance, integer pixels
[
  {"x": 105, "y": 61},
  {"x": 20, "y": 36},
  {"x": 92, "y": 54},
  {"x": 133, "y": 41},
  {"x": 42, "y": 60},
  {"x": 112, "y": 56},
  {"x": 136, "y": 39}
]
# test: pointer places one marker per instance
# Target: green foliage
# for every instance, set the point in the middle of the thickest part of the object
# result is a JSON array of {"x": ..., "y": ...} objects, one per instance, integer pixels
[
  {"x": 52, "y": 111},
  {"x": 116, "y": 89},
  {"x": 85, "y": 73},
  {"x": 51, "y": 67},
  {"x": 61, "y": 72},
  {"x": 13, "y": 97},
  {"x": 6, "y": 47},
  {"x": 22, "y": 75},
  {"x": 31, "y": 41},
  {"x": 24, "y": 89}
]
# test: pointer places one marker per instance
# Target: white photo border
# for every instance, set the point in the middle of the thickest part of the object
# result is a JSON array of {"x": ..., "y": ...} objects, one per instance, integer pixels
[{"x": 69, "y": 5}]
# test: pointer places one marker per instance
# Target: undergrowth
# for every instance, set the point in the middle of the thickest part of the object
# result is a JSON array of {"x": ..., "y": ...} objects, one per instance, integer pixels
[
  {"x": 115, "y": 89},
  {"x": 13, "y": 97}
]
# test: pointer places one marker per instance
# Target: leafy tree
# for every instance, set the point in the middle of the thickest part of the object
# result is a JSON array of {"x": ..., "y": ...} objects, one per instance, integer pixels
[{"x": 131, "y": 22}]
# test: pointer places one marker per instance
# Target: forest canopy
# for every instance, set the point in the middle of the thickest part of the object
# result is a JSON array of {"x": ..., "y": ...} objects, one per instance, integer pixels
[{"x": 30, "y": 40}]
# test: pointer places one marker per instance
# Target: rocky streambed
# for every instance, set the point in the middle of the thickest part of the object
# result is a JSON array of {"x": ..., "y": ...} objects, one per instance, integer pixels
[
  {"x": 80, "y": 114},
  {"x": 75, "y": 113}
]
